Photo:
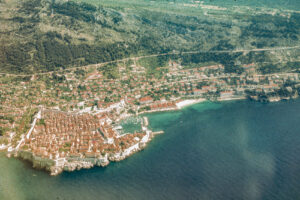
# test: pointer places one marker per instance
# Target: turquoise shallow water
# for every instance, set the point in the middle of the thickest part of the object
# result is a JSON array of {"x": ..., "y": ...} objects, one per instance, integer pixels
[{"x": 231, "y": 150}]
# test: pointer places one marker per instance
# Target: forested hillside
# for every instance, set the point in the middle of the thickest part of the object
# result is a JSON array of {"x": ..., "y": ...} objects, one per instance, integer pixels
[{"x": 41, "y": 35}]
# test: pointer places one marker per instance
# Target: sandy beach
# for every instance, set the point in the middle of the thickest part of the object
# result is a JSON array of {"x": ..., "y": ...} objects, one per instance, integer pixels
[{"x": 188, "y": 102}]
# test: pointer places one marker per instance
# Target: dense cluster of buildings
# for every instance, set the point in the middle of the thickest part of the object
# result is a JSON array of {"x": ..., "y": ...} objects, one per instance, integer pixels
[
  {"x": 133, "y": 90},
  {"x": 59, "y": 135}
]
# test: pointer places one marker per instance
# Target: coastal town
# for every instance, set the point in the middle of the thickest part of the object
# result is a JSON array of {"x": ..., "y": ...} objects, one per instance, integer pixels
[{"x": 64, "y": 121}]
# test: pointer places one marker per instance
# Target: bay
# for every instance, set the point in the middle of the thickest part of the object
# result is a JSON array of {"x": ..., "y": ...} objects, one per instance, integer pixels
[{"x": 227, "y": 150}]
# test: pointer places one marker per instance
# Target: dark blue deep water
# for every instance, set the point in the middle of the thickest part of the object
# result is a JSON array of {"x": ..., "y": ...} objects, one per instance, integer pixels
[{"x": 231, "y": 150}]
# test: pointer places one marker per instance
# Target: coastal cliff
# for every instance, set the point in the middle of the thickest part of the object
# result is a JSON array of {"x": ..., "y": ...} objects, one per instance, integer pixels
[
  {"x": 71, "y": 163},
  {"x": 37, "y": 162}
]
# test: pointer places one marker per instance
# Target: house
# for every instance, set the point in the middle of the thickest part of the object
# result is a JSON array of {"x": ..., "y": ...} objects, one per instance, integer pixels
[
  {"x": 199, "y": 91},
  {"x": 226, "y": 94},
  {"x": 146, "y": 100}
]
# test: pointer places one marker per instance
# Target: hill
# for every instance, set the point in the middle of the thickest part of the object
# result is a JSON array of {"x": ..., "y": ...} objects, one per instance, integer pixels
[{"x": 41, "y": 35}]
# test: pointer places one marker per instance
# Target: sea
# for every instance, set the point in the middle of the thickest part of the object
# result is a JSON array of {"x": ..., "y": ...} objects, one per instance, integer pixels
[{"x": 235, "y": 150}]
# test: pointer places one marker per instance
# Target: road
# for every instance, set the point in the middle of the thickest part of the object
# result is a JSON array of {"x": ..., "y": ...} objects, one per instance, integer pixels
[{"x": 156, "y": 55}]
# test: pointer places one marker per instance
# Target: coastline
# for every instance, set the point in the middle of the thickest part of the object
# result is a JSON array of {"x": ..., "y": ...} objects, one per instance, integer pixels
[
  {"x": 158, "y": 161},
  {"x": 189, "y": 102},
  {"x": 57, "y": 166},
  {"x": 180, "y": 105},
  {"x": 232, "y": 98}
]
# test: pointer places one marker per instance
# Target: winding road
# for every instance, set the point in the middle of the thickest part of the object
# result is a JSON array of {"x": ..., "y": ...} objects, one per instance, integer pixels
[{"x": 156, "y": 55}]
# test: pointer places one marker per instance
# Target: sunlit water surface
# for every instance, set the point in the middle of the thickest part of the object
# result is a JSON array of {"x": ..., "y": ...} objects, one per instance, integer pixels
[{"x": 231, "y": 150}]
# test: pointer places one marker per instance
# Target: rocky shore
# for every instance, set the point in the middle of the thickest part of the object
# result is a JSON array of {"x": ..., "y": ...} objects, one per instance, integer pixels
[
  {"x": 57, "y": 166},
  {"x": 70, "y": 163},
  {"x": 265, "y": 98}
]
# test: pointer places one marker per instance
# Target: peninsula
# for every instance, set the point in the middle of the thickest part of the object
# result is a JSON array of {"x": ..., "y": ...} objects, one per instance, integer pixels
[
  {"x": 72, "y": 71},
  {"x": 60, "y": 141},
  {"x": 83, "y": 132}
]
